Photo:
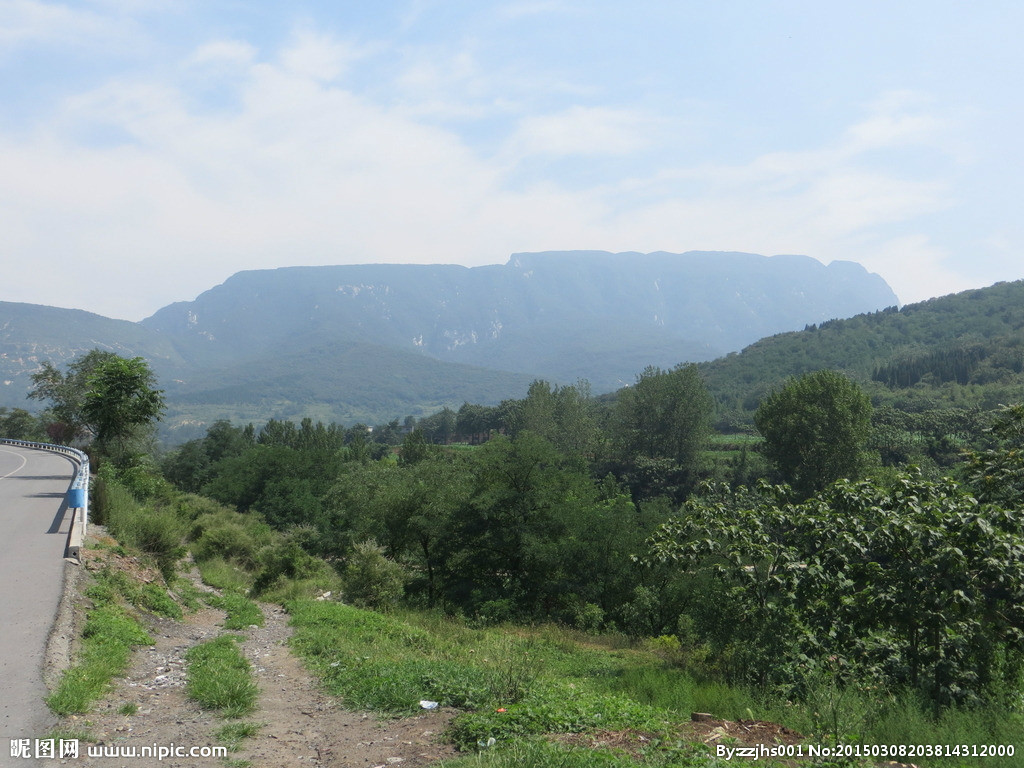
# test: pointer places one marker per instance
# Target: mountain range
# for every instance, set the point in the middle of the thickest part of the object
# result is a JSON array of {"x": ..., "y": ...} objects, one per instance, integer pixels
[{"x": 375, "y": 342}]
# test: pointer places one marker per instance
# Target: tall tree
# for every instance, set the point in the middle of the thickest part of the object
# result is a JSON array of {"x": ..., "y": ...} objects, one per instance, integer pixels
[
  {"x": 121, "y": 401},
  {"x": 660, "y": 426},
  {"x": 66, "y": 393},
  {"x": 815, "y": 429}
]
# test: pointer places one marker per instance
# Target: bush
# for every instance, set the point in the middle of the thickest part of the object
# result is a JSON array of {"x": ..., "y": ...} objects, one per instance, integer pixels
[
  {"x": 371, "y": 580},
  {"x": 229, "y": 535},
  {"x": 286, "y": 561}
]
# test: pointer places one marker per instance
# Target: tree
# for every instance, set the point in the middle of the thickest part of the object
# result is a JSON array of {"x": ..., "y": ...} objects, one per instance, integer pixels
[
  {"x": 66, "y": 393},
  {"x": 660, "y": 426},
  {"x": 815, "y": 429},
  {"x": 120, "y": 400},
  {"x": 913, "y": 584},
  {"x": 19, "y": 424},
  {"x": 997, "y": 474}
]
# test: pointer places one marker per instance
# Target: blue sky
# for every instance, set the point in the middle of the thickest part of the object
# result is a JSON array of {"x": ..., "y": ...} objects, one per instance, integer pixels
[{"x": 151, "y": 148}]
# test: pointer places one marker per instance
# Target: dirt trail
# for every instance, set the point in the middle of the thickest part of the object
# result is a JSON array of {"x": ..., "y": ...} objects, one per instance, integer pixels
[{"x": 300, "y": 724}]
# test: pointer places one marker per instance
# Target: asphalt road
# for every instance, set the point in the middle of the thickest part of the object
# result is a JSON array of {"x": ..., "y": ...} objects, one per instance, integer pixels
[{"x": 34, "y": 525}]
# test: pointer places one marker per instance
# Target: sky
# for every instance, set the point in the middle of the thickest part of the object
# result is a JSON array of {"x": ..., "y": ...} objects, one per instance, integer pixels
[{"x": 149, "y": 149}]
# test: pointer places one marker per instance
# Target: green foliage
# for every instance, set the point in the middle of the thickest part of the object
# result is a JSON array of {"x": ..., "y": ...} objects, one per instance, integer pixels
[
  {"x": 997, "y": 474},
  {"x": 505, "y": 538},
  {"x": 67, "y": 393},
  {"x": 220, "y": 678},
  {"x": 960, "y": 351},
  {"x": 107, "y": 640},
  {"x": 285, "y": 562},
  {"x": 564, "y": 416},
  {"x": 157, "y": 531},
  {"x": 660, "y": 426},
  {"x": 370, "y": 579},
  {"x": 119, "y": 399},
  {"x": 914, "y": 585},
  {"x": 19, "y": 424},
  {"x": 815, "y": 429}
]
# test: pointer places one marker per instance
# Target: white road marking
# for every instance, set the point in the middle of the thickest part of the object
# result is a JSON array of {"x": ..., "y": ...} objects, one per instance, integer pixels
[{"x": 24, "y": 461}]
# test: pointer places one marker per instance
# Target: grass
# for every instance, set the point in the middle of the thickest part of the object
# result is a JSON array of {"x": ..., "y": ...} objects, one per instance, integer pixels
[
  {"x": 540, "y": 753},
  {"x": 242, "y": 612},
  {"x": 220, "y": 678},
  {"x": 232, "y": 734},
  {"x": 107, "y": 640},
  {"x": 108, "y": 584},
  {"x": 224, "y": 575},
  {"x": 513, "y": 683},
  {"x": 516, "y": 685}
]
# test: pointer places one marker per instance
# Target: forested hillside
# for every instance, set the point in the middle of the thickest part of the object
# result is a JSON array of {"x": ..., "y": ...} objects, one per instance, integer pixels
[{"x": 963, "y": 350}]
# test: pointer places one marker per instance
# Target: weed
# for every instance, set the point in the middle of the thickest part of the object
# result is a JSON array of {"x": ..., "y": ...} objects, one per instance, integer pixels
[
  {"x": 108, "y": 637},
  {"x": 232, "y": 734},
  {"x": 241, "y": 611},
  {"x": 220, "y": 678}
]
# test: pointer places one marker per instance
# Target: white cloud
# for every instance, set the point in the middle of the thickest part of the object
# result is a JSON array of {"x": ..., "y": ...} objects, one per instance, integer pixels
[
  {"x": 219, "y": 53},
  {"x": 583, "y": 131},
  {"x": 25, "y": 23},
  {"x": 297, "y": 168},
  {"x": 317, "y": 56}
]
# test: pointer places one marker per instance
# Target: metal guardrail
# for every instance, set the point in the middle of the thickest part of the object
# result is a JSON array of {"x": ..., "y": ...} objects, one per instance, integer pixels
[{"x": 78, "y": 492}]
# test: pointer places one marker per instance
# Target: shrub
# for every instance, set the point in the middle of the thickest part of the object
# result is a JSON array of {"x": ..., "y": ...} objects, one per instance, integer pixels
[{"x": 371, "y": 580}]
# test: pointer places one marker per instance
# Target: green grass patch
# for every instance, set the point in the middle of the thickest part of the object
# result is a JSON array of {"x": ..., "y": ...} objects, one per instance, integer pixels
[
  {"x": 107, "y": 641},
  {"x": 108, "y": 584},
  {"x": 540, "y": 753},
  {"x": 190, "y": 596},
  {"x": 242, "y": 612},
  {"x": 233, "y": 734},
  {"x": 222, "y": 574},
  {"x": 220, "y": 678},
  {"x": 517, "y": 684},
  {"x": 540, "y": 679}
]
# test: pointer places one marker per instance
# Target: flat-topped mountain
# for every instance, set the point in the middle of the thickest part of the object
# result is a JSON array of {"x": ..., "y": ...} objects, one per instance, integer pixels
[
  {"x": 375, "y": 342},
  {"x": 558, "y": 315}
]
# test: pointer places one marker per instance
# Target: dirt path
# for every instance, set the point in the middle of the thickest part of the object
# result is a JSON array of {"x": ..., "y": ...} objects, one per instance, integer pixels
[
  {"x": 305, "y": 725},
  {"x": 299, "y": 724}
]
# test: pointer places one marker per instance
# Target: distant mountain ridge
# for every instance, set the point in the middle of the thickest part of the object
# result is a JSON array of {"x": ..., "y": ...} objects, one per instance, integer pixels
[
  {"x": 376, "y": 341},
  {"x": 559, "y": 315}
]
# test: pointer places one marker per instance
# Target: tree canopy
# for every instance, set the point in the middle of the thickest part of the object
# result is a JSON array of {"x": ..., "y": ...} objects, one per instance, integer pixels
[
  {"x": 815, "y": 429},
  {"x": 108, "y": 397}
]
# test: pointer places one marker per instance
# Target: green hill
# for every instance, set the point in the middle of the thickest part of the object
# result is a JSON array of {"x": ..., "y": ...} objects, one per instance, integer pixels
[{"x": 964, "y": 350}]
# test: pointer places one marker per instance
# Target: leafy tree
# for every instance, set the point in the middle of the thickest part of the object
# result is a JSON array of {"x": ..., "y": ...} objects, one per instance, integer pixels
[
  {"x": 110, "y": 398},
  {"x": 815, "y": 429},
  {"x": 19, "y": 424},
  {"x": 910, "y": 585},
  {"x": 659, "y": 427},
  {"x": 415, "y": 448},
  {"x": 67, "y": 394},
  {"x": 997, "y": 474},
  {"x": 564, "y": 416},
  {"x": 120, "y": 400},
  {"x": 190, "y": 466},
  {"x": 507, "y": 538}
]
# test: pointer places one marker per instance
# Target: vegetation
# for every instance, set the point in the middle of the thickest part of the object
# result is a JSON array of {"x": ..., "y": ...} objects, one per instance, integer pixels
[
  {"x": 103, "y": 397},
  {"x": 853, "y": 567},
  {"x": 815, "y": 429},
  {"x": 107, "y": 640},
  {"x": 220, "y": 678}
]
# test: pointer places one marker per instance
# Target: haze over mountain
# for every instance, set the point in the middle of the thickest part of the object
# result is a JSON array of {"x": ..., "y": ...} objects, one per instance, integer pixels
[{"x": 374, "y": 342}]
